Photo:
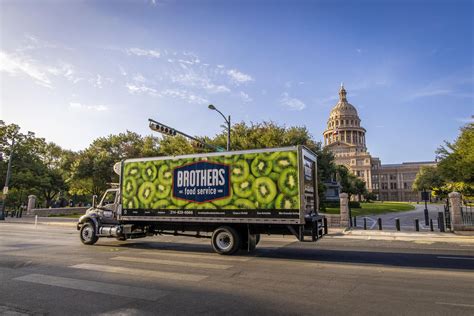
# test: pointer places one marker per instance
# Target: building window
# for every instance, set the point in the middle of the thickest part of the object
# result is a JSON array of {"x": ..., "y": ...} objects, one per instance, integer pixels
[
  {"x": 393, "y": 177},
  {"x": 393, "y": 186},
  {"x": 405, "y": 185},
  {"x": 383, "y": 177},
  {"x": 384, "y": 185}
]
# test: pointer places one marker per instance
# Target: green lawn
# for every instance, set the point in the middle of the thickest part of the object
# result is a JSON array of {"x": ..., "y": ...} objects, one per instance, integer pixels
[{"x": 375, "y": 208}]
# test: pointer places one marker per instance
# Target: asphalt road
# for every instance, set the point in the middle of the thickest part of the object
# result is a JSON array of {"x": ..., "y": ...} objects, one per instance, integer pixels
[{"x": 48, "y": 271}]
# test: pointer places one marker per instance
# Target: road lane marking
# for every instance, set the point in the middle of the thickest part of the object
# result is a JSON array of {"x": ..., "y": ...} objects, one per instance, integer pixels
[
  {"x": 174, "y": 263},
  {"x": 197, "y": 256},
  {"x": 141, "y": 272},
  {"x": 94, "y": 286},
  {"x": 454, "y": 258},
  {"x": 455, "y": 304}
]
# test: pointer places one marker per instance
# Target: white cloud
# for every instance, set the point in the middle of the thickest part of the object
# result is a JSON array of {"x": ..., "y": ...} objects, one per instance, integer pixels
[
  {"x": 429, "y": 93},
  {"x": 184, "y": 95},
  {"x": 291, "y": 103},
  {"x": 140, "y": 89},
  {"x": 238, "y": 77},
  {"x": 245, "y": 97},
  {"x": 85, "y": 107},
  {"x": 143, "y": 52},
  {"x": 191, "y": 79},
  {"x": 14, "y": 64},
  {"x": 122, "y": 71}
]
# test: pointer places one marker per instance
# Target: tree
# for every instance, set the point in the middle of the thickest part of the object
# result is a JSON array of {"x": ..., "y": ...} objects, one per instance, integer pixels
[
  {"x": 456, "y": 161},
  {"x": 359, "y": 188},
  {"x": 427, "y": 178}
]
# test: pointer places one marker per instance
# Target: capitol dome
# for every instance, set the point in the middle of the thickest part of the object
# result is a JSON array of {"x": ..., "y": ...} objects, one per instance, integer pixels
[
  {"x": 344, "y": 125},
  {"x": 343, "y": 108}
]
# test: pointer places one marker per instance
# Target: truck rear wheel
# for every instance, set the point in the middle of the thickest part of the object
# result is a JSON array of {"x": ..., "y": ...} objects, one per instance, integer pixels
[
  {"x": 87, "y": 234},
  {"x": 225, "y": 240}
]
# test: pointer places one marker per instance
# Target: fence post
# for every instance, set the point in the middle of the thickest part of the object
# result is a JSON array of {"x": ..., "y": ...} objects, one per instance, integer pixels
[
  {"x": 344, "y": 205},
  {"x": 365, "y": 223},
  {"x": 397, "y": 223},
  {"x": 431, "y": 224},
  {"x": 441, "y": 221},
  {"x": 355, "y": 221},
  {"x": 379, "y": 220},
  {"x": 31, "y": 204},
  {"x": 417, "y": 224},
  {"x": 455, "y": 210}
]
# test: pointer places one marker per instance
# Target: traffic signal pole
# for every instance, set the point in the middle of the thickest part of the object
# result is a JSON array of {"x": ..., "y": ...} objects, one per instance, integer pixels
[{"x": 164, "y": 129}]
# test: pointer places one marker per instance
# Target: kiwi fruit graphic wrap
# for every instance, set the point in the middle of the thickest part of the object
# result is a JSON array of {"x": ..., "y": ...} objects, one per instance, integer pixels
[{"x": 266, "y": 180}]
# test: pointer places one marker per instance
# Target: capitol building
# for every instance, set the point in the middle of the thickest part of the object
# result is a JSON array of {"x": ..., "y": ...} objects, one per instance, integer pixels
[{"x": 345, "y": 138}]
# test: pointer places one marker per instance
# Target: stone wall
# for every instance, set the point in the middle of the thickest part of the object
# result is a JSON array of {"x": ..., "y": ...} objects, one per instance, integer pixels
[{"x": 58, "y": 211}]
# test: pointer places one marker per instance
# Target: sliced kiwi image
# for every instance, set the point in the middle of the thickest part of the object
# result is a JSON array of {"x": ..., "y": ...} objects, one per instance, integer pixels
[
  {"x": 149, "y": 171},
  {"x": 286, "y": 202},
  {"x": 130, "y": 187},
  {"x": 249, "y": 156},
  {"x": 274, "y": 176},
  {"x": 131, "y": 202},
  {"x": 270, "y": 205},
  {"x": 200, "y": 206},
  {"x": 240, "y": 171},
  {"x": 243, "y": 204},
  {"x": 229, "y": 207},
  {"x": 160, "y": 204},
  {"x": 264, "y": 189},
  {"x": 179, "y": 203},
  {"x": 162, "y": 190},
  {"x": 261, "y": 167},
  {"x": 268, "y": 156},
  {"x": 146, "y": 192},
  {"x": 244, "y": 189},
  {"x": 165, "y": 175},
  {"x": 132, "y": 169},
  {"x": 288, "y": 181},
  {"x": 222, "y": 202},
  {"x": 283, "y": 161}
]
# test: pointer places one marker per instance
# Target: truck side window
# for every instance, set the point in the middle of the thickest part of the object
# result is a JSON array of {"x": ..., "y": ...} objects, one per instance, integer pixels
[{"x": 109, "y": 198}]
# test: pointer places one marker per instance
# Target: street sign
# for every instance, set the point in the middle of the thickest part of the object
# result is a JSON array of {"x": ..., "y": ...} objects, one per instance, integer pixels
[{"x": 5, "y": 190}]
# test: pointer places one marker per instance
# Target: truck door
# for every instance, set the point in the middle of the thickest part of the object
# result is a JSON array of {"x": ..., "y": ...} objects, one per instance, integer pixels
[
  {"x": 310, "y": 183},
  {"x": 109, "y": 203}
]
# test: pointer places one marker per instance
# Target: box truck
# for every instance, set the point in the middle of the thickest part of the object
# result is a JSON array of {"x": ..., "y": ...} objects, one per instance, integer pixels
[{"x": 229, "y": 197}]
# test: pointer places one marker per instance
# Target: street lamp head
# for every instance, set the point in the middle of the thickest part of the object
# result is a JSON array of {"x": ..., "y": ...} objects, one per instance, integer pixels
[{"x": 212, "y": 107}]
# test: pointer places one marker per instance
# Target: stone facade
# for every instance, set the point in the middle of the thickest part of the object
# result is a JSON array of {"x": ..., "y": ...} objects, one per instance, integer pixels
[{"x": 345, "y": 138}]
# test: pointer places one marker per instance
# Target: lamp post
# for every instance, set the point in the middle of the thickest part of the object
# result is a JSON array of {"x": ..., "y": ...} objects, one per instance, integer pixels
[
  {"x": 9, "y": 168},
  {"x": 227, "y": 120}
]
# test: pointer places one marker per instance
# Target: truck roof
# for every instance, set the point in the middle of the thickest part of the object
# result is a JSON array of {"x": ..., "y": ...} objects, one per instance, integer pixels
[{"x": 222, "y": 153}]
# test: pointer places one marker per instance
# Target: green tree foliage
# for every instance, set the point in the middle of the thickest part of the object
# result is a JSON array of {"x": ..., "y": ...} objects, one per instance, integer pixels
[
  {"x": 350, "y": 183},
  {"x": 456, "y": 160},
  {"x": 455, "y": 170},
  {"x": 428, "y": 178},
  {"x": 91, "y": 171}
]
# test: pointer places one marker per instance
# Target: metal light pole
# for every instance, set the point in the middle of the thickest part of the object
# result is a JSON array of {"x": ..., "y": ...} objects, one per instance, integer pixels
[
  {"x": 227, "y": 120},
  {"x": 9, "y": 172}
]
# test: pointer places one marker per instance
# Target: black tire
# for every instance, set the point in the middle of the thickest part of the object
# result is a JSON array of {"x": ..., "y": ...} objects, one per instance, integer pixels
[
  {"x": 226, "y": 240},
  {"x": 87, "y": 234}
]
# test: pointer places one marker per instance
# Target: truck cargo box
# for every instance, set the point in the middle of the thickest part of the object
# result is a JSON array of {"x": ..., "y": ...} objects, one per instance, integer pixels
[{"x": 274, "y": 186}]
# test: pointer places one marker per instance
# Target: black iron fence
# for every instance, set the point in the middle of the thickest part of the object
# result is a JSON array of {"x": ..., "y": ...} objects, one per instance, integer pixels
[{"x": 467, "y": 214}]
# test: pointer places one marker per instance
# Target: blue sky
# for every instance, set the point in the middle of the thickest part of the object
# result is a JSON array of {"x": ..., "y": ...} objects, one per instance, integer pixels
[{"x": 73, "y": 71}]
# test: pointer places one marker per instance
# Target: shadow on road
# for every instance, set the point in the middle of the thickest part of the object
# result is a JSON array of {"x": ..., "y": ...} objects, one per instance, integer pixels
[{"x": 394, "y": 259}]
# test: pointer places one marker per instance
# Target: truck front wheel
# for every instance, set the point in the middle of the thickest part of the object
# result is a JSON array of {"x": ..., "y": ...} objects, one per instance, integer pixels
[
  {"x": 87, "y": 234},
  {"x": 225, "y": 240}
]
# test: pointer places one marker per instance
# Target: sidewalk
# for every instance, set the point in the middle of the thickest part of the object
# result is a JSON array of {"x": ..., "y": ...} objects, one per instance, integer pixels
[
  {"x": 419, "y": 237},
  {"x": 57, "y": 221}
]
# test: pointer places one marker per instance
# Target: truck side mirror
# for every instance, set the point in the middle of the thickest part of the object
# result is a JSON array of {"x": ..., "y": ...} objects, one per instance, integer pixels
[{"x": 94, "y": 200}]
